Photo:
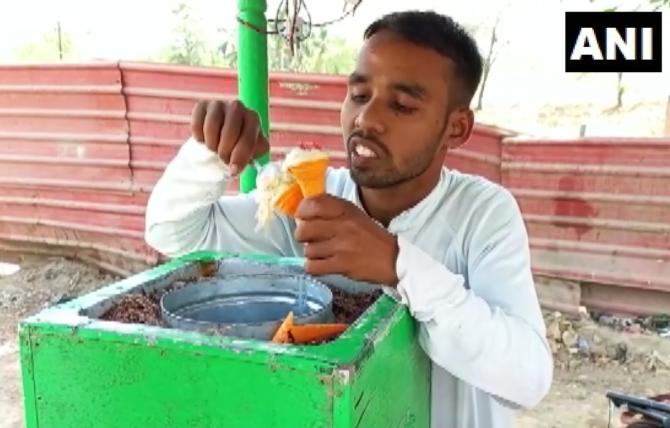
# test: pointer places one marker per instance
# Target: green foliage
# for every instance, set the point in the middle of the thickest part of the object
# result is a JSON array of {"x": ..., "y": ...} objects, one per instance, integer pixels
[
  {"x": 658, "y": 4},
  {"x": 626, "y": 5},
  {"x": 319, "y": 53},
  {"x": 46, "y": 48},
  {"x": 188, "y": 46}
]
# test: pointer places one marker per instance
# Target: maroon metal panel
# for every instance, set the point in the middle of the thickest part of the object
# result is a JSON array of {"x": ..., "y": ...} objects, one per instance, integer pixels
[
  {"x": 597, "y": 210},
  {"x": 480, "y": 154},
  {"x": 81, "y": 146},
  {"x": 303, "y": 108},
  {"x": 65, "y": 179}
]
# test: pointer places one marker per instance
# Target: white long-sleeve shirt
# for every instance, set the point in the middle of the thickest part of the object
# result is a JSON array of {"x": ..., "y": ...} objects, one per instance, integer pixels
[{"x": 463, "y": 265}]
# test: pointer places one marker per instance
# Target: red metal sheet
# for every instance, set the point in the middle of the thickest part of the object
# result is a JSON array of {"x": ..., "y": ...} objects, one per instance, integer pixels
[
  {"x": 626, "y": 153},
  {"x": 20, "y": 98},
  {"x": 597, "y": 210},
  {"x": 583, "y": 205},
  {"x": 62, "y": 124},
  {"x": 88, "y": 214},
  {"x": 60, "y": 74},
  {"x": 592, "y": 182},
  {"x": 71, "y": 195},
  {"x": 65, "y": 177},
  {"x": 474, "y": 163},
  {"x": 57, "y": 149},
  {"x": 313, "y": 87},
  {"x": 96, "y": 171},
  {"x": 160, "y": 76},
  {"x": 653, "y": 235}
]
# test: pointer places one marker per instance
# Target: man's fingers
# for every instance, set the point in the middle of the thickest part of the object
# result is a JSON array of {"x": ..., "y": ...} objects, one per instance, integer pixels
[
  {"x": 314, "y": 230},
  {"x": 322, "y": 206},
  {"x": 232, "y": 128},
  {"x": 262, "y": 145},
  {"x": 327, "y": 266},
  {"x": 243, "y": 150},
  {"x": 320, "y": 249},
  {"x": 198, "y": 120},
  {"x": 212, "y": 125}
]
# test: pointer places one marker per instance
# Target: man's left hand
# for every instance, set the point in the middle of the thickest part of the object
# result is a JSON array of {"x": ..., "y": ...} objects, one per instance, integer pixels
[{"x": 340, "y": 238}]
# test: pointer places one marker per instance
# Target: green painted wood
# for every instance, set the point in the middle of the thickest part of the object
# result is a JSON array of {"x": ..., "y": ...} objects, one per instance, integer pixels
[
  {"x": 79, "y": 371},
  {"x": 107, "y": 384},
  {"x": 392, "y": 386},
  {"x": 28, "y": 377}
]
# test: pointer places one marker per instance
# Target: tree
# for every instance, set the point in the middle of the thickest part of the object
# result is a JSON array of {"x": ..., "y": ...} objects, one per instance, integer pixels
[
  {"x": 491, "y": 29},
  {"x": 658, "y": 4},
  {"x": 620, "y": 91},
  {"x": 225, "y": 55},
  {"x": 319, "y": 53},
  {"x": 188, "y": 47},
  {"x": 53, "y": 45},
  {"x": 620, "y": 87},
  {"x": 488, "y": 63}
]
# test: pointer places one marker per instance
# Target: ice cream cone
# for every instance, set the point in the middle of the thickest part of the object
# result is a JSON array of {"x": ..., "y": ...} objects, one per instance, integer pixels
[
  {"x": 282, "y": 333},
  {"x": 287, "y": 202},
  {"x": 311, "y": 176},
  {"x": 301, "y": 334}
]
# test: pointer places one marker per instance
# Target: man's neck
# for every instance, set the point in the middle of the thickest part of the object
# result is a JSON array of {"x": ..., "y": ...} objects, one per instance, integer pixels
[{"x": 386, "y": 204}]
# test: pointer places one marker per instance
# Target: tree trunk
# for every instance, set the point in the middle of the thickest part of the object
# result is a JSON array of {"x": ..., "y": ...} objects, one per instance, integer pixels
[
  {"x": 60, "y": 43},
  {"x": 667, "y": 119},
  {"x": 619, "y": 91},
  {"x": 487, "y": 66}
]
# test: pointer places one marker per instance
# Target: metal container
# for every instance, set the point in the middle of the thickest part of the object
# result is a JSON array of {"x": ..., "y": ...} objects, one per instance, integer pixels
[{"x": 247, "y": 305}]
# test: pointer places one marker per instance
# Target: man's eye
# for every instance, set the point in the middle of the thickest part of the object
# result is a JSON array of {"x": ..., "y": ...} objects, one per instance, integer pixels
[
  {"x": 358, "y": 98},
  {"x": 402, "y": 108}
]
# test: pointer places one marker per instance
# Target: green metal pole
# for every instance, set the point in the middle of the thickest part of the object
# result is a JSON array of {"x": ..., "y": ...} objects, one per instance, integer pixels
[{"x": 252, "y": 73}]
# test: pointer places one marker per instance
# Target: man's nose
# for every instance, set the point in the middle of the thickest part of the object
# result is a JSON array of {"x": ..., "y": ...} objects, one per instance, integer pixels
[{"x": 370, "y": 118}]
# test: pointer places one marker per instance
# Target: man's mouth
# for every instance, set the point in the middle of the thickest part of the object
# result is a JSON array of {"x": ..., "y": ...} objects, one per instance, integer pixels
[
  {"x": 362, "y": 149},
  {"x": 364, "y": 152}
]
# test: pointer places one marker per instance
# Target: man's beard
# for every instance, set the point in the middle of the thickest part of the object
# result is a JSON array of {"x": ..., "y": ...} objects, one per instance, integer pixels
[{"x": 392, "y": 176}]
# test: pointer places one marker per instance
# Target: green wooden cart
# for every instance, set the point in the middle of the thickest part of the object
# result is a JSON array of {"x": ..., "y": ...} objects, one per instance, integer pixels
[{"x": 80, "y": 371}]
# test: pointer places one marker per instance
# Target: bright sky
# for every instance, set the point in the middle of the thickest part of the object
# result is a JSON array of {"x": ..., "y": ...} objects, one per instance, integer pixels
[{"x": 530, "y": 68}]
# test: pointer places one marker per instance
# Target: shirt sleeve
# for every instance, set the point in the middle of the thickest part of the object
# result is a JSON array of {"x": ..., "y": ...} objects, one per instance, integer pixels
[
  {"x": 188, "y": 211},
  {"x": 491, "y": 333}
]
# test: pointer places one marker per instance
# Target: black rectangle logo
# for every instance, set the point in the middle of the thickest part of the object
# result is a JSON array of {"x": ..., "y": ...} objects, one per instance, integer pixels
[{"x": 613, "y": 42}]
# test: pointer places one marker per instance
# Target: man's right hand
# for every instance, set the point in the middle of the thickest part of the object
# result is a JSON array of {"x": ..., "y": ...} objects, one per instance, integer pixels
[{"x": 231, "y": 130}]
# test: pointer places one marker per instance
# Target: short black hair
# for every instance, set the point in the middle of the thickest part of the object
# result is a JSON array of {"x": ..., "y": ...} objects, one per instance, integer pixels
[{"x": 442, "y": 34}]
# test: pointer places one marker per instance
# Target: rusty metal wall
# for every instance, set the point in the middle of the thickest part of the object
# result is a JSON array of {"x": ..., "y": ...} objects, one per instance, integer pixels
[
  {"x": 597, "y": 212},
  {"x": 65, "y": 180},
  {"x": 302, "y": 108},
  {"x": 82, "y": 145}
]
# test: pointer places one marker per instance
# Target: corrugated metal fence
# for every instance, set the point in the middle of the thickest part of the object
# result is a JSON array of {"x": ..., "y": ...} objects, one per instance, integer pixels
[
  {"x": 598, "y": 212},
  {"x": 82, "y": 145}
]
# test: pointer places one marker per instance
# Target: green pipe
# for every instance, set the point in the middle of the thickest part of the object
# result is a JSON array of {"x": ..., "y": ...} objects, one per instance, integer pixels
[{"x": 252, "y": 73}]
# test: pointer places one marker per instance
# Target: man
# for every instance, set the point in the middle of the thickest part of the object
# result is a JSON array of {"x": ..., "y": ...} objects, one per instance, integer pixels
[{"x": 453, "y": 245}]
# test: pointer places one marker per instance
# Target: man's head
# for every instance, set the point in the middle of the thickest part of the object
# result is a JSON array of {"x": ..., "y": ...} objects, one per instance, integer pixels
[{"x": 408, "y": 98}]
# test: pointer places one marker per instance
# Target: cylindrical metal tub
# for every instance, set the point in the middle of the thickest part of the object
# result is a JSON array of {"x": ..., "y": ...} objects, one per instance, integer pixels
[{"x": 247, "y": 305}]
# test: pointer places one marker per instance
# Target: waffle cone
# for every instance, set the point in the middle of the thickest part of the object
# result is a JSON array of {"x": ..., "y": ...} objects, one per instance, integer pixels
[
  {"x": 308, "y": 333},
  {"x": 311, "y": 176},
  {"x": 288, "y": 201},
  {"x": 282, "y": 333}
]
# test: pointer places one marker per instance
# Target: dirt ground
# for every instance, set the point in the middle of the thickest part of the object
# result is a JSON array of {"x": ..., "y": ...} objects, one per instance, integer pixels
[{"x": 632, "y": 361}]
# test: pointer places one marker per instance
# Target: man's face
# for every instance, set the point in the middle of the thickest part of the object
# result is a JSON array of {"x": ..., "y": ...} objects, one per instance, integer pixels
[{"x": 395, "y": 116}]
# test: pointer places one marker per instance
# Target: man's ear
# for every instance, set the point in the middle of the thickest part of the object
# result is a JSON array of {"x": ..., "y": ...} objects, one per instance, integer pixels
[{"x": 460, "y": 124}]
